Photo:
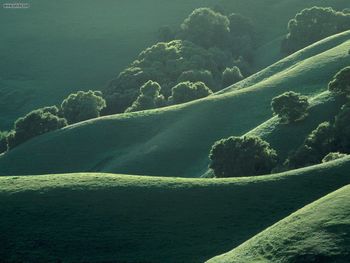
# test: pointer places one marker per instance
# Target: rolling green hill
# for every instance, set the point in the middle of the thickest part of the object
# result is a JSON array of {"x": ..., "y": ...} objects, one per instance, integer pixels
[
  {"x": 57, "y": 47},
  {"x": 175, "y": 141},
  {"x": 319, "y": 232},
  {"x": 120, "y": 218},
  {"x": 125, "y": 188}
]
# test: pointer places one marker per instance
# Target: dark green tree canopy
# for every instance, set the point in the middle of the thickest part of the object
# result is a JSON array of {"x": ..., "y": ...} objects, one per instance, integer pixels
[
  {"x": 312, "y": 25},
  {"x": 341, "y": 82},
  {"x": 231, "y": 76},
  {"x": 316, "y": 146},
  {"x": 149, "y": 97},
  {"x": 206, "y": 28},
  {"x": 204, "y": 76},
  {"x": 242, "y": 156},
  {"x": 165, "y": 63},
  {"x": 242, "y": 36},
  {"x": 34, "y": 124},
  {"x": 188, "y": 91},
  {"x": 290, "y": 106},
  {"x": 82, "y": 106}
]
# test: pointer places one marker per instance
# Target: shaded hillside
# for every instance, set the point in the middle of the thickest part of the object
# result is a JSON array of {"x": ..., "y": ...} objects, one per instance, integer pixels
[
  {"x": 174, "y": 141},
  {"x": 102, "y": 217},
  {"x": 57, "y": 47},
  {"x": 319, "y": 232}
]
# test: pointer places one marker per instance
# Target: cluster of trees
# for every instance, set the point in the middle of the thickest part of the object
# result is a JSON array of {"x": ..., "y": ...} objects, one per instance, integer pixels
[
  {"x": 329, "y": 138},
  {"x": 312, "y": 25},
  {"x": 209, "y": 47},
  {"x": 150, "y": 96},
  {"x": 76, "y": 107}
]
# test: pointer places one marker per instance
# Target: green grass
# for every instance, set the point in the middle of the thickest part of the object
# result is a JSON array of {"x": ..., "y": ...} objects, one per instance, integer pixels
[
  {"x": 175, "y": 141},
  {"x": 319, "y": 232},
  {"x": 120, "y": 218}
]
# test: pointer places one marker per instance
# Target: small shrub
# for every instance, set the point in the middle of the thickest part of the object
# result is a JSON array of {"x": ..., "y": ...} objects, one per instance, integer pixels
[
  {"x": 290, "y": 106},
  {"x": 242, "y": 156}
]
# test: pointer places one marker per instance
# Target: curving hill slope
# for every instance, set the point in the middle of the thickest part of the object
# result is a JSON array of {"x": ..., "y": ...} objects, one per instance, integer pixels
[
  {"x": 319, "y": 232},
  {"x": 173, "y": 141},
  {"x": 104, "y": 217},
  {"x": 54, "y": 48}
]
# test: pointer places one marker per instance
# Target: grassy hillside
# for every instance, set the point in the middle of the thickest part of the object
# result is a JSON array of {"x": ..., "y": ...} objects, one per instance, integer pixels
[
  {"x": 57, "y": 47},
  {"x": 104, "y": 217},
  {"x": 323, "y": 108},
  {"x": 319, "y": 232},
  {"x": 175, "y": 141}
]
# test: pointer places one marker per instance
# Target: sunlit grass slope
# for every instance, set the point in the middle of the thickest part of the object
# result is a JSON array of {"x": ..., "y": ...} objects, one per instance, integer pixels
[
  {"x": 120, "y": 218},
  {"x": 319, "y": 232},
  {"x": 56, "y": 47},
  {"x": 175, "y": 141}
]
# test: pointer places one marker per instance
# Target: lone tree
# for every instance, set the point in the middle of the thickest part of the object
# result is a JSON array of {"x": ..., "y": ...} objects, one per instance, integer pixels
[
  {"x": 82, "y": 106},
  {"x": 149, "y": 97},
  {"x": 231, "y": 76},
  {"x": 188, "y": 91},
  {"x": 206, "y": 28},
  {"x": 341, "y": 82},
  {"x": 290, "y": 106},
  {"x": 242, "y": 156},
  {"x": 34, "y": 124},
  {"x": 312, "y": 25}
]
